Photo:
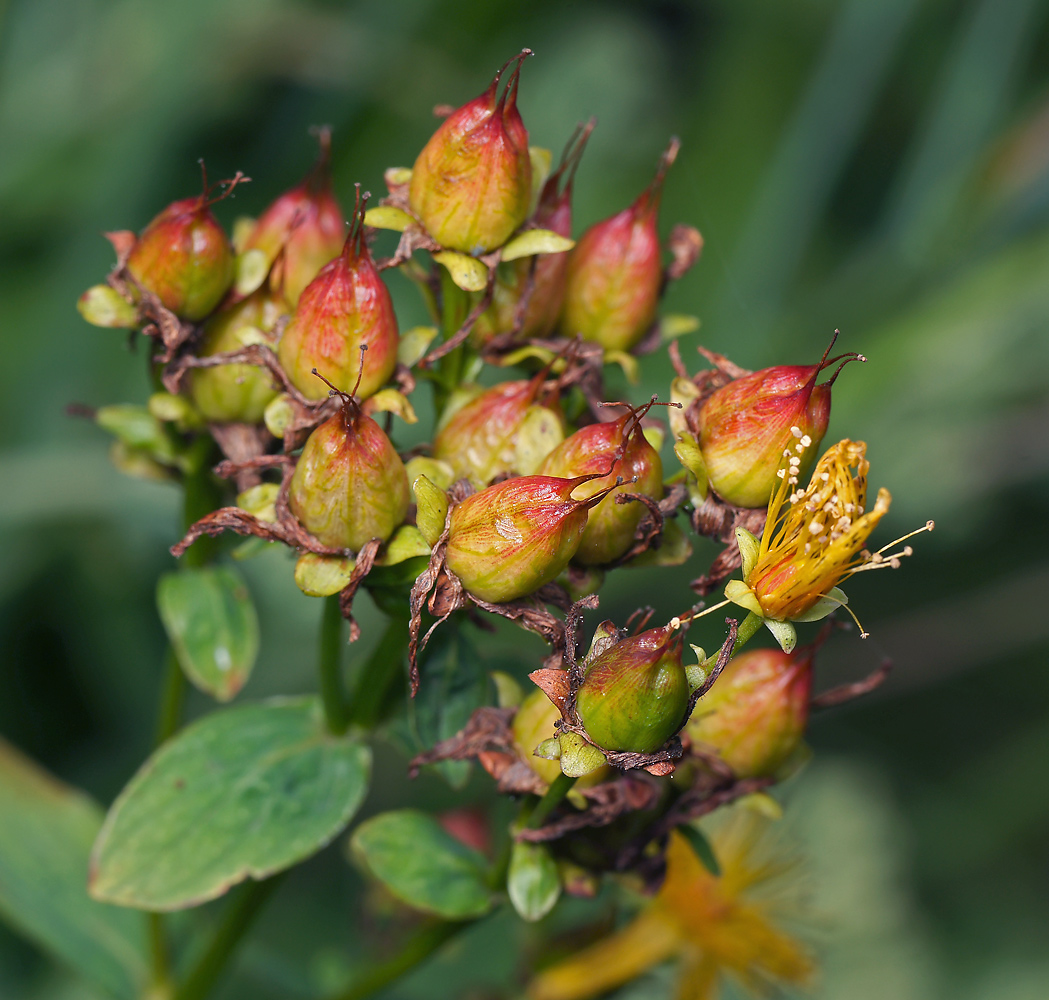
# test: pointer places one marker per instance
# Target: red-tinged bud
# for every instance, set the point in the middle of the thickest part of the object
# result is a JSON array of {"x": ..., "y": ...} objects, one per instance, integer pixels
[
  {"x": 635, "y": 695},
  {"x": 237, "y": 393},
  {"x": 346, "y": 307},
  {"x": 621, "y": 445},
  {"x": 472, "y": 183},
  {"x": 512, "y": 538},
  {"x": 541, "y": 277},
  {"x": 350, "y": 485},
  {"x": 746, "y": 426},
  {"x": 184, "y": 257},
  {"x": 755, "y": 716},
  {"x": 510, "y": 428},
  {"x": 615, "y": 272},
  {"x": 306, "y": 223}
]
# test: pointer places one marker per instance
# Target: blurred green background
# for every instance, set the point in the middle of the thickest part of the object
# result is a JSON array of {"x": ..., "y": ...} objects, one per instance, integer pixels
[{"x": 879, "y": 166}]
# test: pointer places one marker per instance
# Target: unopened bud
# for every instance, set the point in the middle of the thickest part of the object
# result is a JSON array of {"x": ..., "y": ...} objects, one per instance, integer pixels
[
  {"x": 593, "y": 449},
  {"x": 472, "y": 183},
  {"x": 746, "y": 426},
  {"x": 349, "y": 485},
  {"x": 237, "y": 393},
  {"x": 635, "y": 694},
  {"x": 512, "y": 538},
  {"x": 184, "y": 258},
  {"x": 509, "y": 428},
  {"x": 345, "y": 307},
  {"x": 615, "y": 272},
  {"x": 307, "y": 224},
  {"x": 756, "y": 713}
]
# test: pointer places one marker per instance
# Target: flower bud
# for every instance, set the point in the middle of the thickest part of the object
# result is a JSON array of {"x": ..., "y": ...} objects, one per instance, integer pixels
[
  {"x": 615, "y": 272},
  {"x": 621, "y": 446},
  {"x": 745, "y": 427},
  {"x": 184, "y": 257},
  {"x": 472, "y": 183},
  {"x": 307, "y": 224},
  {"x": 756, "y": 713},
  {"x": 512, "y": 538},
  {"x": 546, "y": 272},
  {"x": 635, "y": 695},
  {"x": 534, "y": 723},
  {"x": 345, "y": 307},
  {"x": 349, "y": 485},
  {"x": 510, "y": 428},
  {"x": 237, "y": 393}
]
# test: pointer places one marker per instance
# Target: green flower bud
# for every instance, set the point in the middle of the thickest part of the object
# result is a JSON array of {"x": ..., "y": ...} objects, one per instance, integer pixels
[
  {"x": 185, "y": 258},
  {"x": 755, "y": 716},
  {"x": 620, "y": 445},
  {"x": 635, "y": 695},
  {"x": 512, "y": 538},
  {"x": 472, "y": 183},
  {"x": 237, "y": 393},
  {"x": 350, "y": 485}
]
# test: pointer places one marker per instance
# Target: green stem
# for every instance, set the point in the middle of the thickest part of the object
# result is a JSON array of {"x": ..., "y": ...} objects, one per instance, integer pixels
[
  {"x": 375, "y": 681},
  {"x": 559, "y": 788},
  {"x": 241, "y": 911},
  {"x": 747, "y": 631},
  {"x": 329, "y": 663},
  {"x": 172, "y": 695},
  {"x": 420, "y": 946},
  {"x": 160, "y": 958}
]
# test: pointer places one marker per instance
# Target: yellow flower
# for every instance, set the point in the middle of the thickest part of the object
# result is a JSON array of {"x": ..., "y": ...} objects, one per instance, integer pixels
[
  {"x": 813, "y": 539},
  {"x": 714, "y": 925}
]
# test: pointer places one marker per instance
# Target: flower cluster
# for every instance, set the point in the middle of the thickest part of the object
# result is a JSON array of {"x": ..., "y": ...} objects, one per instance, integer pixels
[{"x": 280, "y": 348}]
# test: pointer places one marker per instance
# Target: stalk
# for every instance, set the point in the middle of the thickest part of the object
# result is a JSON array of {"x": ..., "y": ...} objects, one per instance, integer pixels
[{"x": 329, "y": 664}]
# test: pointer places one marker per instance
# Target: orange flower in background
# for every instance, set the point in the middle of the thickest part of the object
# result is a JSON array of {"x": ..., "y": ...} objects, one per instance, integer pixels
[{"x": 715, "y": 925}]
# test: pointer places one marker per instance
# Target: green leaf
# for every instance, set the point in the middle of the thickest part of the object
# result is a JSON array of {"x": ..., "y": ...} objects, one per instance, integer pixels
[
  {"x": 532, "y": 881},
  {"x": 536, "y": 241},
  {"x": 211, "y": 623},
  {"x": 46, "y": 832},
  {"x": 452, "y": 684},
  {"x": 702, "y": 846},
  {"x": 242, "y": 793},
  {"x": 422, "y": 864}
]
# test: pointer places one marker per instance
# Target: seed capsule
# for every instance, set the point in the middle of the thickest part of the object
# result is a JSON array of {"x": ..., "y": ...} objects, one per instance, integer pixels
[
  {"x": 350, "y": 485},
  {"x": 238, "y": 393},
  {"x": 755, "y": 715},
  {"x": 745, "y": 427},
  {"x": 635, "y": 695},
  {"x": 621, "y": 446},
  {"x": 307, "y": 224},
  {"x": 512, "y": 538},
  {"x": 472, "y": 183},
  {"x": 184, "y": 257},
  {"x": 345, "y": 307},
  {"x": 510, "y": 428},
  {"x": 615, "y": 272}
]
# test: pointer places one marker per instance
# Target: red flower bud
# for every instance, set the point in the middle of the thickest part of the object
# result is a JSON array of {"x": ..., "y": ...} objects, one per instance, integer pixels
[
  {"x": 635, "y": 695},
  {"x": 621, "y": 445},
  {"x": 350, "y": 484},
  {"x": 745, "y": 427},
  {"x": 184, "y": 257},
  {"x": 546, "y": 273},
  {"x": 512, "y": 538},
  {"x": 472, "y": 183},
  {"x": 307, "y": 224},
  {"x": 615, "y": 272},
  {"x": 510, "y": 428},
  {"x": 237, "y": 393},
  {"x": 345, "y": 307},
  {"x": 756, "y": 713}
]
